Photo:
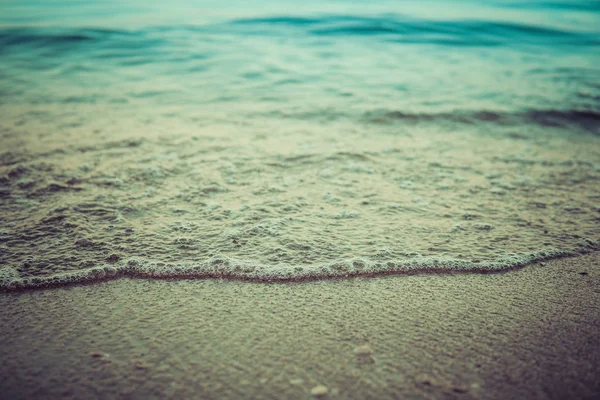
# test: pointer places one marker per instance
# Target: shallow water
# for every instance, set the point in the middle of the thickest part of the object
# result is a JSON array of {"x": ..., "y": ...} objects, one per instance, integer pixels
[{"x": 285, "y": 142}]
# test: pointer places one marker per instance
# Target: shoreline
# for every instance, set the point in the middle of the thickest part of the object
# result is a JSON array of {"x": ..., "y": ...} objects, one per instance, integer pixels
[
  {"x": 247, "y": 272},
  {"x": 529, "y": 333}
]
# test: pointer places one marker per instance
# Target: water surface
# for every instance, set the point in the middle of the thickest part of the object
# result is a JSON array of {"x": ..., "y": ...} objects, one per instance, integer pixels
[{"x": 281, "y": 141}]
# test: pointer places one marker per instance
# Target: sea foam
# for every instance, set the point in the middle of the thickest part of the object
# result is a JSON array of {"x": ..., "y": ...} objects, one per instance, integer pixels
[
  {"x": 341, "y": 140},
  {"x": 227, "y": 268}
]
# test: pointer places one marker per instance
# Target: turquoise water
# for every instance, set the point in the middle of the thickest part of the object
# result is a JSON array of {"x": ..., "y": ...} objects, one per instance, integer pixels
[
  {"x": 337, "y": 59},
  {"x": 278, "y": 140}
]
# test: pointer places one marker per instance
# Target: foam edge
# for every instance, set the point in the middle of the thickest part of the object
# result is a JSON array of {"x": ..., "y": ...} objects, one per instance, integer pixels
[{"x": 232, "y": 269}]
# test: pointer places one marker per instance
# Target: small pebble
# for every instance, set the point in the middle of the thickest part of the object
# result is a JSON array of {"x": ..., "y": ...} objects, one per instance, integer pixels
[
  {"x": 460, "y": 389},
  {"x": 363, "y": 355},
  {"x": 319, "y": 391},
  {"x": 364, "y": 350}
]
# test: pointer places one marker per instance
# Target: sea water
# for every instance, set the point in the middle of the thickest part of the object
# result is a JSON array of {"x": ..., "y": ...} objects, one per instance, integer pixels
[{"x": 285, "y": 140}]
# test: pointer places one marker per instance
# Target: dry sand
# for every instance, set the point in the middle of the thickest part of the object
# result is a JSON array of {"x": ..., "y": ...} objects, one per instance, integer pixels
[{"x": 531, "y": 333}]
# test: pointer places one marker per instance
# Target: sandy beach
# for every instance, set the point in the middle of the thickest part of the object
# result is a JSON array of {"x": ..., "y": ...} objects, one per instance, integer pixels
[
  {"x": 281, "y": 200},
  {"x": 530, "y": 333}
]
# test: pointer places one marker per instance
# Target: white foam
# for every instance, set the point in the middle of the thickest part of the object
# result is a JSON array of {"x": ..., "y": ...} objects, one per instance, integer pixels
[{"x": 229, "y": 268}]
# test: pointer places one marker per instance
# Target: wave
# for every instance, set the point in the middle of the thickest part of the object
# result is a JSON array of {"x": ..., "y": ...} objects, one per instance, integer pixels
[
  {"x": 586, "y": 120},
  {"x": 56, "y": 41},
  {"x": 409, "y": 30},
  {"x": 41, "y": 36},
  {"x": 579, "y": 5},
  {"x": 583, "y": 119},
  {"x": 391, "y": 28},
  {"x": 232, "y": 269}
]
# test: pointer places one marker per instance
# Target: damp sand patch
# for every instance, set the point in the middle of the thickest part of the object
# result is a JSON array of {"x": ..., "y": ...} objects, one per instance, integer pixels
[{"x": 419, "y": 336}]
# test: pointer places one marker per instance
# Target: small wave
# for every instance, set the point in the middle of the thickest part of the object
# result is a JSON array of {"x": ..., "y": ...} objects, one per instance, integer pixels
[
  {"x": 43, "y": 37},
  {"x": 289, "y": 20},
  {"x": 232, "y": 269},
  {"x": 55, "y": 42},
  {"x": 409, "y": 30},
  {"x": 582, "y": 119},
  {"x": 574, "y": 5},
  {"x": 391, "y": 28}
]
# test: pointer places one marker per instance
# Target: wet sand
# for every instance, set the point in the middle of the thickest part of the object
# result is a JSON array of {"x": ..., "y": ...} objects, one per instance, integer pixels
[{"x": 531, "y": 333}]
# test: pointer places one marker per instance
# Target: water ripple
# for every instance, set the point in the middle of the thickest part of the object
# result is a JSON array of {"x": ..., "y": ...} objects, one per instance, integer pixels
[{"x": 393, "y": 28}]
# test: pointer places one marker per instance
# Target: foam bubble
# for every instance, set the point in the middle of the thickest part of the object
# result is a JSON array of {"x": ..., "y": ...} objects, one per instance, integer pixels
[{"x": 229, "y": 268}]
